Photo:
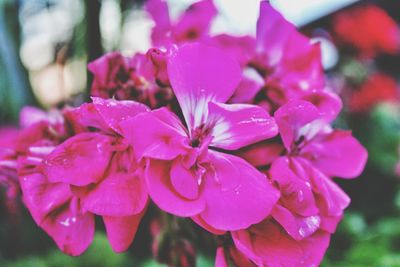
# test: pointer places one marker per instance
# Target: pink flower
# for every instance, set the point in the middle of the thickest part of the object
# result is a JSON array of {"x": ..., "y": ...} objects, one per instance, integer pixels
[
  {"x": 305, "y": 133},
  {"x": 91, "y": 173},
  {"x": 311, "y": 204},
  {"x": 369, "y": 29},
  {"x": 185, "y": 174},
  {"x": 141, "y": 78},
  {"x": 286, "y": 62},
  {"x": 193, "y": 25}
]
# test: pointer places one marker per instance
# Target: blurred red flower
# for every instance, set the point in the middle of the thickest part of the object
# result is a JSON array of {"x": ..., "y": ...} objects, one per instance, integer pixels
[
  {"x": 377, "y": 88},
  {"x": 368, "y": 29}
]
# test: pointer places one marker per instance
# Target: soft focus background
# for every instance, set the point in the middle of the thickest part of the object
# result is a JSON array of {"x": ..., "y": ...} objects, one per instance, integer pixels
[{"x": 46, "y": 44}]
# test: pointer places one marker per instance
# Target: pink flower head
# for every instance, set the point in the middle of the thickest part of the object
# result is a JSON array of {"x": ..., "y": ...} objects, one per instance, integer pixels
[
  {"x": 187, "y": 174},
  {"x": 287, "y": 62},
  {"x": 369, "y": 29},
  {"x": 305, "y": 133},
  {"x": 193, "y": 25},
  {"x": 311, "y": 204},
  {"x": 91, "y": 173},
  {"x": 141, "y": 78}
]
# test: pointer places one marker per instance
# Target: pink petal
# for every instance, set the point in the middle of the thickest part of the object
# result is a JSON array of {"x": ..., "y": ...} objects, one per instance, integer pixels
[
  {"x": 158, "y": 134},
  {"x": 296, "y": 226},
  {"x": 122, "y": 230},
  {"x": 42, "y": 197},
  {"x": 72, "y": 232},
  {"x": 331, "y": 199},
  {"x": 237, "y": 194},
  {"x": 119, "y": 194},
  {"x": 163, "y": 194},
  {"x": 220, "y": 260},
  {"x": 239, "y": 47},
  {"x": 249, "y": 86},
  {"x": 270, "y": 246},
  {"x": 301, "y": 65},
  {"x": 159, "y": 12},
  {"x": 195, "y": 22},
  {"x": 337, "y": 154},
  {"x": 328, "y": 103},
  {"x": 239, "y": 125},
  {"x": 113, "y": 111},
  {"x": 261, "y": 154},
  {"x": 273, "y": 31},
  {"x": 184, "y": 180},
  {"x": 199, "y": 74},
  {"x": 296, "y": 192},
  {"x": 291, "y": 117},
  {"x": 80, "y": 160}
]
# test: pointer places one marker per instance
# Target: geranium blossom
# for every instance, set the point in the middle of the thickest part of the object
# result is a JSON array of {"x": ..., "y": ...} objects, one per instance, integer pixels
[
  {"x": 311, "y": 204},
  {"x": 285, "y": 60},
  {"x": 375, "y": 89},
  {"x": 184, "y": 176},
  {"x": 193, "y": 25},
  {"x": 187, "y": 126},
  {"x": 66, "y": 183},
  {"x": 369, "y": 29},
  {"x": 141, "y": 78}
]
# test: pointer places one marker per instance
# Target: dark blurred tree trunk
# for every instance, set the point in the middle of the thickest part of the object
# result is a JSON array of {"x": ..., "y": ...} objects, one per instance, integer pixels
[{"x": 93, "y": 35}]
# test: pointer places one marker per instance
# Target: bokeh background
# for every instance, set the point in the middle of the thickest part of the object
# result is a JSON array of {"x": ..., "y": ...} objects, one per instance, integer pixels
[{"x": 46, "y": 44}]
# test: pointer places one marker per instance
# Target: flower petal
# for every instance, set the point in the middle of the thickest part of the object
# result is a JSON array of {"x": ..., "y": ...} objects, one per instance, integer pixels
[
  {"x": 237, "y": 194},
  {"x": 119, "y": 194},
  {"x": 239, "y": 125},
  {"x": 195, "y": 22},
  {"x": 298, "y": 227},
  {"x": 220, "y": 260},
  {"x": 80, "y": 160},
  {"x": 337, "y": 154},
  {"x": 296, "y": 192},
  {"x": 328, "y": 103},
  {"x": 270, "y": 246},
  {"x": 122, "y": 230},
  {"x": 158, "y": 134},
  {"x": 291, "y": 117},
  {"x": 184, "y": 180},
  {"x": 113, "y": 111},
  {"x": 273, "y": 32},
  {"x": 72, "y": 232},
  {"x": 42, "y": 197},
  {"x": 199, "y": 74},
  {"x": 163, "y": 194},
  {"x": 159, "y": 12}
]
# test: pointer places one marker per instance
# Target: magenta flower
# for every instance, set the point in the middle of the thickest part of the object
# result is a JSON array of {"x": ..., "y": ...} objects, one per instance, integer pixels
[
  {"x": 91, "y": 173},
  {"x": 286, "y": 65},
  {"x": 186, "y": 175},
  {"x": 193, "y": 25},
  {"x": 305, "y": 133},
  {"x": 142, "y": 78},
  {"x": 311, "y": 204}
]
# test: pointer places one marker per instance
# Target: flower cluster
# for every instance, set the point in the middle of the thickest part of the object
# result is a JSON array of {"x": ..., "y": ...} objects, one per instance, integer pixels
[{"x": 231, "y": 132}]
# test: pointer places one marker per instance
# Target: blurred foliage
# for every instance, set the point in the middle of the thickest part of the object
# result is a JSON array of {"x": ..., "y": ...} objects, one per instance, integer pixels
[
  {"x": 14, "y": 87},
  {"x": 357, "y": 244}
]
